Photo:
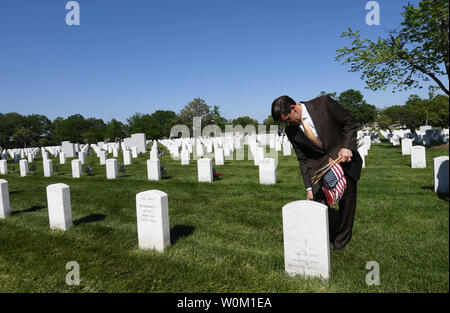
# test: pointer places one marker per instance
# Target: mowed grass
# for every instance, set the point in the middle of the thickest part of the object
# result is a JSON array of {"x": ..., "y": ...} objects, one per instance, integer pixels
[{"x": 226, "y": 236}]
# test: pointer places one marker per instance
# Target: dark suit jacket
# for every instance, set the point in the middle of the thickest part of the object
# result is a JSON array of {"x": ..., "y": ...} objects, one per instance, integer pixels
[{"x": 336, "y": 128}]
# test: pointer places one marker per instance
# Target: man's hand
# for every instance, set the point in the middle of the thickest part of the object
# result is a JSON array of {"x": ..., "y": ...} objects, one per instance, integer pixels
[
  {"x": 309, "y": 195},
  {"x": 346, "y": 155}
]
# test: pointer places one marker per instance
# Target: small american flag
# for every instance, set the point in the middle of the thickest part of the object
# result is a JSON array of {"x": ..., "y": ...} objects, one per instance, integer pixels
[{"x": 334, "y": 184}]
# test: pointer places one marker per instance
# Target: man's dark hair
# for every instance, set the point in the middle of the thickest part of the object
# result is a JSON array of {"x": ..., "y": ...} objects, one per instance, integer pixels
[{"x": 281, "y": 105}]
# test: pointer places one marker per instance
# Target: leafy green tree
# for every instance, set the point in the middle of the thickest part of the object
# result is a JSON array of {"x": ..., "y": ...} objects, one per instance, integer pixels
[
  {"x": 69, "y": 129},
  {"x": 142, "y": 123},
  {"x": 270, "y": 121},
  {"x": 418, "y": 51},
  {"x": 196, "y": 108},
  {"x": 244, "y": 121},
  {"x": 353, "y": 101},
  {"x": 115, "y": 129},
  {"x": 96, "y": 127},
  {"x": 217, "y": 119},
  {"x": 24, "y": 137},
  {"x": 10, "y": 123}
]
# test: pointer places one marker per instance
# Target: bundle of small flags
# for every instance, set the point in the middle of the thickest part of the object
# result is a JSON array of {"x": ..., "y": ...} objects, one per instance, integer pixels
[
  {"x": 216, "y": 175},
  {"x": 334, "y": 183}
]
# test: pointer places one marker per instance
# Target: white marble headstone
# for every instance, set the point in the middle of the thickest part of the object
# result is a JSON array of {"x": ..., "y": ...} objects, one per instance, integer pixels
[
  {"x": 127, "y": 157},
  {"x": 441, "y": 173},
  {"x": 406, "y": 146},
  {"x": 62, "y": 158},
  {"x": 185, "y": 155},
  {"x": 153, "y": 169},
  {"x": 219, "y": 156},
  {"x": 3, "y": 167},
  {"x": 82, "y": 157},
  {"x": 306, "y": 240},
  {"x": 59, "y": 207},
  {"x": 5, "y": 206},
  {"x": 102, "y": 157},
  {"x": 111, "y": 168},
  {"x": 134, "y": 152},
  {"x": 205, "y": 170},
  {"x": 267, "y": 171},
  {"x": 152, "y": 210},
  {"x": 76, "y": 168},
  {"x": 286, "y": 148},
  {"x": 23, "y": 164},
  {"x": 418, "y": 158},
  {"x": 48, "y": 168}
]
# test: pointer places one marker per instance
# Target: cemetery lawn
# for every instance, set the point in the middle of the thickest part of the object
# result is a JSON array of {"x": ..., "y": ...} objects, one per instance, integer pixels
[{"x": 226, "y": 236}]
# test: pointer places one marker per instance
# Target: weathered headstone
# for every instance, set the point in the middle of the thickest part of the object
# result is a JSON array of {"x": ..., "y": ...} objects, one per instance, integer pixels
[
  {"x": 153, "y": 169},
  {"x": 152, "y": 212},
  {"x": 76, "y": 168},
  {"x": 5, "y": 206},
  {"x": 418, "y": 158},
  {"x": 441, "y": 173},
  {"x": 111, "y": 168},
  {"x": 267, "y": 171},
  {"x": 306, "y": 240},
  {"x": 205, "y": 170},
  {"x": 59, "y": 206}
]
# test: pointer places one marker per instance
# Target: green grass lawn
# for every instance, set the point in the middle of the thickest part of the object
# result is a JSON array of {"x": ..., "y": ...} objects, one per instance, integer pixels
[{"x": 226, "y": 236}]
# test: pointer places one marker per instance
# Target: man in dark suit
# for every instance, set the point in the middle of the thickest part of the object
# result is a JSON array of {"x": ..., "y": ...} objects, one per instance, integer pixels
[{"x": 320, "y": 131}]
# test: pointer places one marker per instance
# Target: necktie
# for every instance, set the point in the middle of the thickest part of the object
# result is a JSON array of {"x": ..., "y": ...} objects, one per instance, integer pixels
[{"x": 309, "y": 133}]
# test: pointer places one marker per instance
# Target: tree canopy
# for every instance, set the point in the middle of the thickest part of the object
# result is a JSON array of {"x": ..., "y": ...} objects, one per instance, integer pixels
[{"x": 418, "y": 51}]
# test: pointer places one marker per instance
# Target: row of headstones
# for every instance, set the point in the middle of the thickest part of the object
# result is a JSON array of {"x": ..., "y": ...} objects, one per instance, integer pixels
[
  {"x": 305, "y": 226},
  {"x": 418, "y": 160},
  {"x": 423, "y": 136},
  {"x": 374, "y": 136},
  {"x": 267, "y": 169}
]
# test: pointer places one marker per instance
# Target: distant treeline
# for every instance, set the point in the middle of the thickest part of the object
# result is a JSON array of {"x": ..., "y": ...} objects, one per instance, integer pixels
[{"x": 37, "y": 130}]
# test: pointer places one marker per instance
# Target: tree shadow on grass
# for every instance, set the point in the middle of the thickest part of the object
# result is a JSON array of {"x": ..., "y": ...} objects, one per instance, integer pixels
[
  {"x": 32, "y": 209},
  {"x": 180, "y": 231},
  {"x": 89, "y": 219}
]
